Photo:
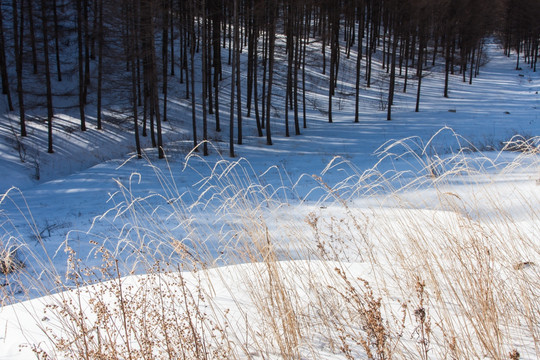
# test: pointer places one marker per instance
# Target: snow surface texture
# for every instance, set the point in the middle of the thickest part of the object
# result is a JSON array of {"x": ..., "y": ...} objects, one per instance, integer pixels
[{"x": 304, "y": 192}]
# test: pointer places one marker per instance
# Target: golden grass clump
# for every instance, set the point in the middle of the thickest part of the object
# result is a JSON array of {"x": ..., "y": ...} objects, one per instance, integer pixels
[{"x": 430, "y": 262}]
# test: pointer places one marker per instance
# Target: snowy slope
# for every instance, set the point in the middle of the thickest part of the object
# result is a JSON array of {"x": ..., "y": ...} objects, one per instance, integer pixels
[{"x": 110, "y": 199}]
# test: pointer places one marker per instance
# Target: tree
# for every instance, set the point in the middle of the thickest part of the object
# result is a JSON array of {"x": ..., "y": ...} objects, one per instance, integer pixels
[
  {"x": 204, "y": 77},
  {"x": 360, "y": 14},
  {"x": 147, "y": 13},
  {"x": 233, "y": 81},
  {"x": 131, "y": 23},
  {"x": 80, "y": 59},
  {"x": 165, "y": 7},
  {"x": 30, "y": 6},
  {"x": 191, "y": 26},
  {"x": 50, "y": 114},
  {"x": 56, "y": 41},
  {"x": 101, "y": 41},
  {"x": 271, "y": 16},
  {"x": 392, "y": 66},
  {"x": 334, "y": 48},
  {"x": 18, "y": 62},
  {"x": 3, "y": 64}
]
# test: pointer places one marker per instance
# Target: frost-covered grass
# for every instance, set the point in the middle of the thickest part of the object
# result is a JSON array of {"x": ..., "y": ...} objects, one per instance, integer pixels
[{"x": 435, "y": 261}]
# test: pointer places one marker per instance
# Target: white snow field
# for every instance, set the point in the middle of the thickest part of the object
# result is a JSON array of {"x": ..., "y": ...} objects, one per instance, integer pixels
[{"x": 414, "y": 238}]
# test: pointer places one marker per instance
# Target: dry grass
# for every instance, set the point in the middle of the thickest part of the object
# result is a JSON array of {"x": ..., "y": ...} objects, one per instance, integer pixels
[
  {"x": 382, "y": 265},
  {"x": 9, "y": 261}
]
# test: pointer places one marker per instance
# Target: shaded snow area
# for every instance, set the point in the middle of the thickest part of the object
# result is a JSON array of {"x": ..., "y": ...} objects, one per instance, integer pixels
[{"x": 414, "y": 238}]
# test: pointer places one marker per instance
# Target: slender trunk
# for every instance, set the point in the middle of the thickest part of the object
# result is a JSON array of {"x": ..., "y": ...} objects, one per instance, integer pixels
[
  {"x": 82, "y": 100},
  {"x": 209, "y": 67},
  {"x": 357, "y": 82},
  {"x": 50, "y": 115},
  {"x": 164, "y": 52},
  {"x": 295, "y": 73},
  {"x": 92, "y": 36},
  {"x": 304, "y": 51},
  {"x": 86, "y": 50},
  {"x": 271, "y": 47},
  {"x": 290, "y": 54},
  {"x": 406, "y": 64},
  {"x": 447, "y": 66},
  {"x": 32, "y": 36},
  {"x": 147, "y": 25},
  {"x": 171, "y": 25},
  {"x": 323, "y": 26},
  {"x": 204, "y": 78},
  {"x": 472, "y": 65},
  {"x": 435, "y": 48},
  {"x": 136, "y": 33},
  {"x": 255, "y": 84},
  {"x": 18, "y": 63},
  {"x": 216, "y": 26},
  {"x": 3, "y": 64},
  {"x": 100, "y": 62},
  {"x": 133, "y": 54},
  {"x": 334, "y": 43},
  {"x": 233, "y": 88},
  {"x": 192, "y": 58},
  {"x": 237, "y": 50},
  {"x": 392, "y": 76},
  {"x": 251, "y": 62},
  {"x": 56, "y": 42},
  {"x": 420, "y": 64},
  {"x": 265, "y": 65},
  {"x": 518, "y": 50}
]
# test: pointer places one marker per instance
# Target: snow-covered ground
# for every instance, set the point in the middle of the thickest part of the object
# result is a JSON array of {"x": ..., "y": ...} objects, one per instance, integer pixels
[{"x": 394, "y": 203}]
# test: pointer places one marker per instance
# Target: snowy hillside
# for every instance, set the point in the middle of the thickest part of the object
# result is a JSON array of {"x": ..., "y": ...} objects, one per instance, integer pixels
[{"x": 417, "y": 237}]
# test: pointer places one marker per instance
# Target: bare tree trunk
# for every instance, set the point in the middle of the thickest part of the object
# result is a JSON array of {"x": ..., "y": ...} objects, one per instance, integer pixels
[
  {"x": 94, "y": 31},
  {"x": 50, "y": 114},
  {"x": 447, "y": 65},
  {"x": 86, "y": 50},
  {"x": 357, "y": 83},
  {"x": 32, "y": 36},
  {"x": 131, "y": 21},
  {"x": 472, "y": 65},
  {"x": 171, "y": 25},
  {"x": 56, "y": 42},
  {"x": 18, "y": 62},
  {"x": 192, "y": 58},
  {"x": 392, "y": 75},
  {"x": 204, "y": 77},
  {"x": 233, "y": 87},
  {"x": 82, "y": 100},
  {"x": 150, "y": 70},
  {"x": 3, "y": 64},
  {"x": 271, "y": 47},
  {"x": 304, "y": 50},
  {"x": 290, "y": 55},
  {"x": 236, "y": 63},
  {"x": 295, "y": 73},
  {"x": 265, "y": 66},
  {"x": 334, "y": 43},
  {"x": 216, "y": 26},
  {"x": 251, "y": 61},
  {"x": 419, "y": 71},
  {"x": 101, "y": 40},
  {"x": 164, "y": 52}
]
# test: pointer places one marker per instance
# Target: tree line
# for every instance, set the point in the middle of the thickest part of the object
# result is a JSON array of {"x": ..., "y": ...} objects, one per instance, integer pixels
[{"x": 141, "y": 46}]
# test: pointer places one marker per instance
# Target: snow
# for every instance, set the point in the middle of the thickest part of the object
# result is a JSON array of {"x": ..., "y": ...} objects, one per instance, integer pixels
[{"x": 367, "y": 181}]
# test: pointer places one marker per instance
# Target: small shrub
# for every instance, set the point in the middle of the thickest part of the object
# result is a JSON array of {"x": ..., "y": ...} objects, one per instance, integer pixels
[
  {"x": 9, "y": 262},
  {"x": 514, "y": 355}
]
